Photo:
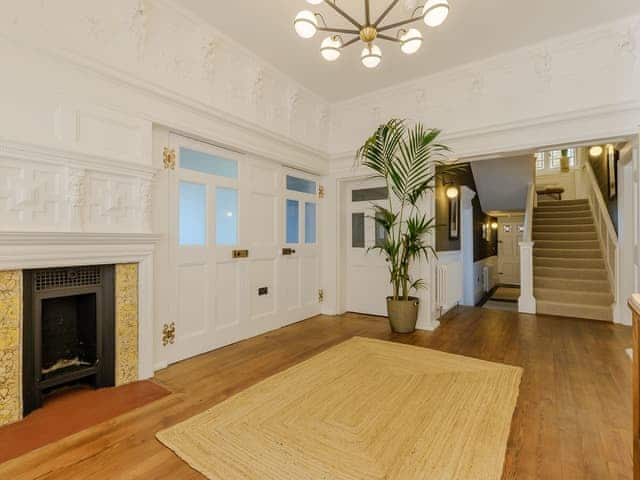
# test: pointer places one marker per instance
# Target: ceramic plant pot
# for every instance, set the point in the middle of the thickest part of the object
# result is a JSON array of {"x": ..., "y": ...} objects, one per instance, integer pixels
[{"x": 403, "y": 314}]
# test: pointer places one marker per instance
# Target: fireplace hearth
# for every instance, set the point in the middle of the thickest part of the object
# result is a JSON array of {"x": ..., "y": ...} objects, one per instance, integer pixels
[{"x": 69, "y": 330}]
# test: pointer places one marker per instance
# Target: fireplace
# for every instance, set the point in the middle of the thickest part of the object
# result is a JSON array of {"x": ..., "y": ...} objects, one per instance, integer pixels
[{"x": 68, "y": 330}]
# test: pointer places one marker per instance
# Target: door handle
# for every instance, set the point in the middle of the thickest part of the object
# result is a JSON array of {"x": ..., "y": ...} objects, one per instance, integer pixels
[{"x": 288, "y": 251}]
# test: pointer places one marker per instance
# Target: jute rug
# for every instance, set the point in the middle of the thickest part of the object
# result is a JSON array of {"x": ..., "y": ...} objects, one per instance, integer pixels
[{"x": 364, "y": 409}]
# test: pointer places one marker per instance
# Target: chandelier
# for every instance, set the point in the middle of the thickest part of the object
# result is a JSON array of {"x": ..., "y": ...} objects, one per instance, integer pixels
[{"x": 433, "y": 13}]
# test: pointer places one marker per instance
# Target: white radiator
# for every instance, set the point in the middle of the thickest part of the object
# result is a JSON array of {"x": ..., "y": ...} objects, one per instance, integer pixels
[
  {"x": 488, "y": 277},
  {"x": 448, "y": 285}
]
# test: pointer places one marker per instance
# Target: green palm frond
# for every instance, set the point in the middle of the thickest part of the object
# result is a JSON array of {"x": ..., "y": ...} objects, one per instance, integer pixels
[{"x": 409, "y": 160}]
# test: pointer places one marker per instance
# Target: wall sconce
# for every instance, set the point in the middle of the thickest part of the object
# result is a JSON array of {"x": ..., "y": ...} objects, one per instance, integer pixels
[
  {"x": 494, "y": 225},
  {"x": 595, "y": 151},
  {"x": 452, "y": 192}
]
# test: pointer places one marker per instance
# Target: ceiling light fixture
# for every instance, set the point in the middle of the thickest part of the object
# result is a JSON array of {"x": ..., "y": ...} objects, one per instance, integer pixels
[{"x": 433, "y": 13}]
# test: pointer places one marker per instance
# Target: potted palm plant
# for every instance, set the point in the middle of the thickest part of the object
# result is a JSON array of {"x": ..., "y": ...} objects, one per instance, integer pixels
[{"x": 406, "y": 159}]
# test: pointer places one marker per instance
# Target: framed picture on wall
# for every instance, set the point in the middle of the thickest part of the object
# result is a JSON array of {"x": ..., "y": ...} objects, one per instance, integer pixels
[
  {"x": 612, "y": 176},
  {"x": 454, "y": 218}
]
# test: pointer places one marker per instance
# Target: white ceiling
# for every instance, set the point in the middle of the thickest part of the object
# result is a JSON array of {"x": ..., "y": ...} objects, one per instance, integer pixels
[
  {"x": 475, "y": 29},
  {"x": 502, "y": 183}
]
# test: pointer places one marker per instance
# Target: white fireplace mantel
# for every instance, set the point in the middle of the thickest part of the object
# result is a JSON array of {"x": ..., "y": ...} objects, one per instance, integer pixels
[{"x": 26, "y": 250}]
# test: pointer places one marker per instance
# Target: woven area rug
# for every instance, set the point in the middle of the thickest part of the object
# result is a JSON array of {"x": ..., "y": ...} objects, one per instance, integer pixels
[{"x": 364, "y": 409}]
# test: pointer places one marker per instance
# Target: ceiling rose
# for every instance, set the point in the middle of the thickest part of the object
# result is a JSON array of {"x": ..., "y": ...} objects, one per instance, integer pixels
[{"x": 433, "y": 13}]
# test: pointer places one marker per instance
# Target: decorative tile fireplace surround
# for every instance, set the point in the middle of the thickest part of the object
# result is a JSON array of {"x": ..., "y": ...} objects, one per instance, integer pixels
[
  {"x": 132, "y": 256},
  {"x": 86, "y": 202}
]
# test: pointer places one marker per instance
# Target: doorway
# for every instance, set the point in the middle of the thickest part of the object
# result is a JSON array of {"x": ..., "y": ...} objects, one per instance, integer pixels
[
  {"x": 366, "y": 273},
  {"x": 510, "y": 233},
  {"x": 243, "y": 247}
]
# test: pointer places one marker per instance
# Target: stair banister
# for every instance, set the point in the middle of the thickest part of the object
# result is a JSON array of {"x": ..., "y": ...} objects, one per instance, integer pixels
[
  {"x": 607, "y": 234},
  {"x": 526, "y": 301}
]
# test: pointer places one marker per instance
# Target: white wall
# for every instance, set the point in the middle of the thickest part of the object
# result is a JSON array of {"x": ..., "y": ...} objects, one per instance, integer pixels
[
  {"x": 148, "y": 60},
  {"x": 577, "y": 87}
]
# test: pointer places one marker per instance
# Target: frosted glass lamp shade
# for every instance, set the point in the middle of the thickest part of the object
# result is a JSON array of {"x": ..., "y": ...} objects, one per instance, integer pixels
[
  {"x": 306, "y": 24},
  {"x": 330, "y": 48},
  {"x": 435, "y": 12},
  {"x": 315, "y": 2},
  {"x": 411, "y": 41},
  {"x": 371, "y": 56}
]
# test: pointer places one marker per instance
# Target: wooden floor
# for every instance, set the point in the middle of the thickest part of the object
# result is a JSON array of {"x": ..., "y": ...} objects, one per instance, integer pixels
[{"x": 573, "y": 419}]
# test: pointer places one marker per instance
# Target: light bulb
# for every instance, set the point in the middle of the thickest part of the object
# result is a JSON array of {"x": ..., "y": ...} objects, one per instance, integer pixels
[
  {"x": 452, "y": 192},
  {"x": 330, "y": 48},
  {"x": 306, "y": 24},
  {"x": 435, "y": 12},
  {"x": 595, "y": 151},
  {"x": 411, "y": 41},
  {"x": 315, "y": 2},
  {"x": 371, "y": 56}
]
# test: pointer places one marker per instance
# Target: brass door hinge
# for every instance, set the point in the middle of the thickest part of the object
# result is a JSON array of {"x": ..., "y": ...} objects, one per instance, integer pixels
[
  {"x": 169, "y": 334},
  {"x": 320, "y": 295},
  {"x": 240, "y": 254},
  {"x": 169, "y": 158},
  {"x": 321, "y": 191}
]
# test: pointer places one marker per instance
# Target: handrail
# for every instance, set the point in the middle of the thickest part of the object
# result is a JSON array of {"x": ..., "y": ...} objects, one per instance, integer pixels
[
  {"x": 608, "y": 238},
  {"x": 526, "y": 301},
  {"x": 602, "y": 204},
  {"x": 528, "y": 214}
]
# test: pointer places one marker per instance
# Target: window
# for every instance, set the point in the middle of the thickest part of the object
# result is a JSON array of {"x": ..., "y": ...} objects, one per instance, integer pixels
[
  {"x": 310, "y": 222},
  {"x": 551, "y": 159},
  {"x": 207, "y": 163},
  {"x": 226, "y": 216},
  {"x": 301, "y": 185},
  {"x": 369, "y": 194},
  {"x": 293, "y": 221},
  {"x": 192, "y": 213},
  {"x": 380, "y": 232},
  {"x": 357, "y": 230}
]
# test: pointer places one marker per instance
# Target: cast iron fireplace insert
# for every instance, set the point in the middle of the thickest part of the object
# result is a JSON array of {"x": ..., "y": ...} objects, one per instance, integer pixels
[{"x": 69, "y": 330}]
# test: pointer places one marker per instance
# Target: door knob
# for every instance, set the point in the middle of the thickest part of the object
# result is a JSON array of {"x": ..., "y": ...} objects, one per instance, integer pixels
[{"x": 288, "y": 251}]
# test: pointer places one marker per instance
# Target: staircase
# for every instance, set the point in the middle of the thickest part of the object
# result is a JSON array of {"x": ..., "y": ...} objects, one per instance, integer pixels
[{"x": 570, "y": 279}]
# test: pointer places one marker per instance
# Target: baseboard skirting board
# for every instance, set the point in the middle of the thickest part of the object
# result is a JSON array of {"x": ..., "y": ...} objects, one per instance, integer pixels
[{"x": 160, "y": 365}]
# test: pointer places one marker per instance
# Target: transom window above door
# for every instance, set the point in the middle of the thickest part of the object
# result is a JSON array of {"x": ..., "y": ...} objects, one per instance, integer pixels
[{"x": 207, "y": 163}]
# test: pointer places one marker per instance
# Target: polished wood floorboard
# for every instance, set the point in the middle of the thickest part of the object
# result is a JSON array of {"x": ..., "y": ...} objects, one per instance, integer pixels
[{"x": 572, "y": 421}]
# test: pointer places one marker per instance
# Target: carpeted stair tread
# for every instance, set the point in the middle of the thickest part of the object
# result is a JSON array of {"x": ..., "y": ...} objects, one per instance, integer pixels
[
  {"x": 563, "y": 202},
  {"x": 563, "y": 221},
  {"x": 589, "y": 312},
  {"x": 586, "y": 263},
  {"x": 565, "y": 236},
  {"x": 567, "y": 253},
  {"x": 574, "y": 296},
  {"x": 573, "y": 244},
  {"x": 587, "y": 227},
  {"x": 569, "y": 273},
  {"x": 570, "y": 279}
]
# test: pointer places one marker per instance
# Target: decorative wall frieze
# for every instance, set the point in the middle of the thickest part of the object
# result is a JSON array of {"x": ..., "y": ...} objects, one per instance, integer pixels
[
  {"x": 539, "y": 86},
  {"x": 47, "y": 189}
]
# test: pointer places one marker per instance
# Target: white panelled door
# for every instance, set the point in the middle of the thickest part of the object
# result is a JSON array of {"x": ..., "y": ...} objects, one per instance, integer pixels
[
  {"x": 299, "y": 268},
  {"x": 509, "y": 238},
  {"x": 230, "y": 218},
  {"x": 367, "y": 274}
]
